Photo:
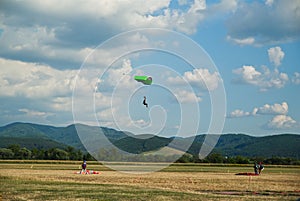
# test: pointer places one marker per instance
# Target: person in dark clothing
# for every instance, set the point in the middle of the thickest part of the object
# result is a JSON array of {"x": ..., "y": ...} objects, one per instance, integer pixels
[
  {"x": 144, "y": 102},
  {"x": 260, "y": 167},
  {"x": 255, "y": 168},
  {"x": 83, "y": 168}
]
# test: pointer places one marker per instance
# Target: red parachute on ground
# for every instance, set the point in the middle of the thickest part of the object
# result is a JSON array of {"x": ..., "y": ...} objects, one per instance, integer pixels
[{"x": 87, "y": 172}]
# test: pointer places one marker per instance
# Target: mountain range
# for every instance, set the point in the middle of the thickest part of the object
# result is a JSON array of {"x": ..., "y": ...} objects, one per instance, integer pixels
[{"x": 38, "y": 136}]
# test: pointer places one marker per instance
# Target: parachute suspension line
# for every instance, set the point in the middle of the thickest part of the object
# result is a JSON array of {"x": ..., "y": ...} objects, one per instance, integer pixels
[{"x": 146, "y": 80}]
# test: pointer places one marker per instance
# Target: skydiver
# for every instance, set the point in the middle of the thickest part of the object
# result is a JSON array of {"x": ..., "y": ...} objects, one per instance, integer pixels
[{"x": 144, "y": 102}]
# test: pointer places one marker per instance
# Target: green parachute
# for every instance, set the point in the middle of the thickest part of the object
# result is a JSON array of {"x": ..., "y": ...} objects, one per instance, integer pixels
[{"x": 143, "y": 79}]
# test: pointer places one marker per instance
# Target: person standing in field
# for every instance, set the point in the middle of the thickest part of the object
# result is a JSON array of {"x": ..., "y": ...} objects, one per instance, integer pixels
[
  {"x": 83, "y": 168},
  {"x": 255, "y": 168},
  {"x": 260, "y": 167}
]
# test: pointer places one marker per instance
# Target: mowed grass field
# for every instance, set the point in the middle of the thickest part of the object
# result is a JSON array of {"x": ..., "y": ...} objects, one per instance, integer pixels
[{"x": 55, "y": 180}]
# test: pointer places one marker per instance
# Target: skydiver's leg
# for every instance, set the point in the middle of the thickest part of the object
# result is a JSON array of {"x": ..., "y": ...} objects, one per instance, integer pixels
[{"x": 144, "y": 103}]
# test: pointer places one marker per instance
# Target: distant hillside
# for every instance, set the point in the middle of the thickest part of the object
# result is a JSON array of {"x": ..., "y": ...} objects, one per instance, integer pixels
[
  {"x": 26, "y": 135},
  {"x": 43, "y": 136},
  {"x": 140, "y": 145},
  {"x": 284, "y": 145},
  {"x": 30, "y": 143}
]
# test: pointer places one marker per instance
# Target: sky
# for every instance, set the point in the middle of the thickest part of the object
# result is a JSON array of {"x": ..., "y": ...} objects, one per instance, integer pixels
[{"x": 219, "y": 66}]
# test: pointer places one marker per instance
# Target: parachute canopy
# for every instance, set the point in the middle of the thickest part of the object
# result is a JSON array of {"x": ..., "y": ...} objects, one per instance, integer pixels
[{"x": 144, "y": 79}]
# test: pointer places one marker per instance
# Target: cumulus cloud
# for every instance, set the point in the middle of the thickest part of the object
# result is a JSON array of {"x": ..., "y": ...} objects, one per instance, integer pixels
[
  {"x": 184, "y": 96},
  {"x": 280, "y": 119},
  {"x": 34, "y": 112},
  {"x": 37, "y": 92},
  {"x": 106, "y": 115},
  {"x": 267, "y": 109},
  {"x": 275, "y": 55},
  {"x": 249, "y": 74},
  {"x": 140, "y": 123},
  {"x": 33, "y": 80},
  {"x": 296, "y": 78},
  {"x": 238, "y": 113},
  {"x": 57, "y": 34},
  {"x": 269, "y": 2},
  {"x": 243, "y": 41},
  {"x": 272, "y": 109},
  {"x": 182, "y": 2},
  {"x": 117, "y": 79},
  {"x": 269, "y": 22},
  {"x": 281, "y": 122},
  {"x": 199, "y": 77},
  {"x": 264, "y": 79}
]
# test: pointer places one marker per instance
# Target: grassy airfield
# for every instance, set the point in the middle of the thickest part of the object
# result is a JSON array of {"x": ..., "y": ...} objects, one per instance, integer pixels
[{"x": 55, "y": 180}]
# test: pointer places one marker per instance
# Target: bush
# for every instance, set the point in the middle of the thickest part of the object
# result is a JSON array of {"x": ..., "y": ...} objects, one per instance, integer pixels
[{"x": 6, "y": 153}]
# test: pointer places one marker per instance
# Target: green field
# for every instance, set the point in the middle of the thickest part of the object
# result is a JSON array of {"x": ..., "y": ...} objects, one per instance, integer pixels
[{"x": 55, "y": 180}]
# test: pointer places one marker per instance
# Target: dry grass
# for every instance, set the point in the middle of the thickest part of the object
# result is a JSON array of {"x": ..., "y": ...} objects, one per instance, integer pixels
[{"x": 152, "y": 186}]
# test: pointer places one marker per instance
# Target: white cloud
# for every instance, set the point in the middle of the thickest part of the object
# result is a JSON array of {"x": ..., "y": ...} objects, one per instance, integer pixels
[
  {"x": 296, "y": 78},
  {"x": 199, "y": 77},
  {"x": 184, "y": 96},
  {"x": 242, "y": 41},
  {"x": 65, "y": 33},
  {"x": 111, "y": 92},
  {"x": 26, "y": 114},
  {"x": 238, "y": 113},
  {"x": 265, "y": 79},
  {"x": 61, "y": 104},
  {"x": 39, "y": 93},
  {"x": 269, "y": 2},
  {"x": 33, "y": 80},
  {"x": 268, "y": 22},
  {"x": 117, "y": 80},
  {"x": 121, "y": 75},
  {"x": 267, "y": 109},
  {"x": 281, "y": 122},
  {"x": 43, "y": 45},
  {"x": 273, "y": 109},
  {"x": 140, "y": 123},
  {"x": 280, "y": 119},
  {"x": 182, "y": 2},
  {"x": 106, "y": 115},
  {"x": 34, "y": 112},
  {"x": 249, "y": 74},
  {"x": 40, "y": 43},
  {"x": 275, "y": 55}
]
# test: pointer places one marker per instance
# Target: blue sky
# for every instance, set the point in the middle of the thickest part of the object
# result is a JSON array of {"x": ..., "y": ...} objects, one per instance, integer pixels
[{"x": 249, "y": 48}]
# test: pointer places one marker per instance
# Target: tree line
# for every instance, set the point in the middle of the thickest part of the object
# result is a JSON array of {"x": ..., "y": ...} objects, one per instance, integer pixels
[
  {"x": 214, "y": 157},
  {"x": 69, "y": 153},
  {"x": 219, "y": 158}
]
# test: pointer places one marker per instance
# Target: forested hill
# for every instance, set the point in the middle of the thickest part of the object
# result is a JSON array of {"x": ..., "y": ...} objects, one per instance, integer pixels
[{"x": 44, "y": 137}]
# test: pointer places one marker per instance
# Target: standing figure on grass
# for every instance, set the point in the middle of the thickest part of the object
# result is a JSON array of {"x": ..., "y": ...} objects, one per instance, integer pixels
[
  {"x": 260, "y": 167},
  {"x": 83, "y": 168},
  {"x": 255, "y": 168}
]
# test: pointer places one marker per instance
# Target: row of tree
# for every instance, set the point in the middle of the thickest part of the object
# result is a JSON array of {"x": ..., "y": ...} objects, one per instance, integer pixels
[
  {"x": 69, "y": 153},
  {"x": 219, "y": 158},
  {"x": 117, "y": 155}
]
